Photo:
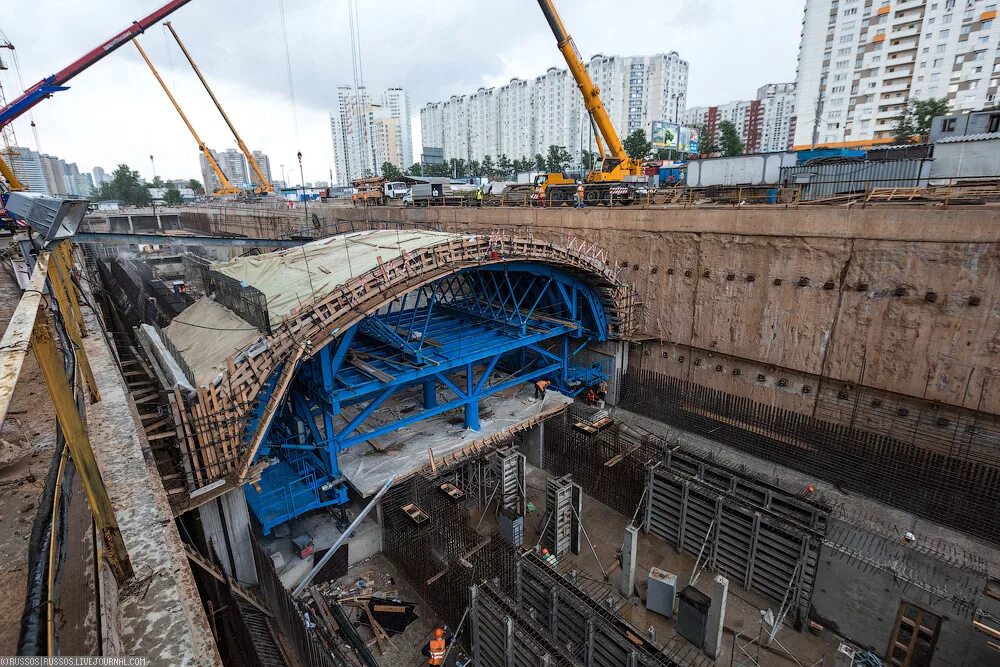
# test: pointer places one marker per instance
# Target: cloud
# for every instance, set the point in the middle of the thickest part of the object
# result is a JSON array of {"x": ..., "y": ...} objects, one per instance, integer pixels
[{"x": 115, "y": 112}]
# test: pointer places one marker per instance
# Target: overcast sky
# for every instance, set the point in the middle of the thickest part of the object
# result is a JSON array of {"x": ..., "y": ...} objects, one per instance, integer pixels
[{"x": 115, "y": 111}]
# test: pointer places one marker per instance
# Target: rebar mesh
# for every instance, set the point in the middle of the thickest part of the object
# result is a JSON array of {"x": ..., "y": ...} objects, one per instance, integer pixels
[{"x": 957, "y": 489}]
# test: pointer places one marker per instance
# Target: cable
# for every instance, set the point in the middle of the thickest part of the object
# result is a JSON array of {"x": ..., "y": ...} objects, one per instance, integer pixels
[
  {"x": 288, "y": 68},
  {"x": 202, "y": 326}
]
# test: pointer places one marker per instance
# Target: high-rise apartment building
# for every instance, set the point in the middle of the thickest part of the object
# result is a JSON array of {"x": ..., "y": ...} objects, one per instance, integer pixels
[
  {"x": 27, "y": 167},
  {"x": 525, "y": 117},
  {"x": 234, "y": 165},
  {"x": 862, "y": 61},
  {"x": 368, "y": 132},
  {"x": 100, "y": 176},
  {"x": 55, "y": 174},
  {"x": 763, "y": 123},
  {"x": 264, "y": 163}
]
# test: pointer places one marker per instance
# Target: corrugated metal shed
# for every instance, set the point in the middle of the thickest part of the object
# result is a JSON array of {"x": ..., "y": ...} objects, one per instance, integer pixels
[
  {"x": 968, "y": 156},
  {"x": 983, "y": 136},
  {"x": 856, "y": 176}
]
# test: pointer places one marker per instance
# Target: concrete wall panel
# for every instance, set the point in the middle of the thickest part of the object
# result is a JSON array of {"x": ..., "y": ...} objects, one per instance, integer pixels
[{"x": 941, "y": 350}]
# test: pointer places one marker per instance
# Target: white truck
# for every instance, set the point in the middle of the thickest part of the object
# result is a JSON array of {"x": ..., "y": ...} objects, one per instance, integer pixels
[{"x": 394, "y": 190}]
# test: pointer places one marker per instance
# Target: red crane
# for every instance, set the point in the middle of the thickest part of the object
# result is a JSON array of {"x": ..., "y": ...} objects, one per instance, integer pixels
[{"x": 57, "y": 81}]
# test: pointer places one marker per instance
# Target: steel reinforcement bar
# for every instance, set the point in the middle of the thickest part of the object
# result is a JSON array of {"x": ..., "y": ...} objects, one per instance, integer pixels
[{"x": 955, "y": 491}]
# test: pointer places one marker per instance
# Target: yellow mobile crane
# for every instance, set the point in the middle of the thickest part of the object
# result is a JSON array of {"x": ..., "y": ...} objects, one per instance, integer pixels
[
  {"x": 263, "y": 184},
  {"x": 618, "y": 176},
  {"x": 225, "y": 187}
]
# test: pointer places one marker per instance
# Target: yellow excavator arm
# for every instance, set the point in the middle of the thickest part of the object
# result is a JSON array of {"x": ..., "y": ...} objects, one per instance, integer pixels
[{"x": 226, "y": 188}]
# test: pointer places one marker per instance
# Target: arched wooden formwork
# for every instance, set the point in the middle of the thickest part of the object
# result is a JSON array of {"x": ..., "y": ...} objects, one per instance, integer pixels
[{"x": 224, "y": 424}]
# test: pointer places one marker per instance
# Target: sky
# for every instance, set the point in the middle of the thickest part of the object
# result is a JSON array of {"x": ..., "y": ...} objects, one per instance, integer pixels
[{"x": 115, "y": 111}]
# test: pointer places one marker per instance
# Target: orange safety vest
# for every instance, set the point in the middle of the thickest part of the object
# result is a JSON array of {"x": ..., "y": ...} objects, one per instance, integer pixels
[
  {"x": 437, "y": 647},
  {"x": 579, "y": 190},
  {"x": 542, "y": 384}
]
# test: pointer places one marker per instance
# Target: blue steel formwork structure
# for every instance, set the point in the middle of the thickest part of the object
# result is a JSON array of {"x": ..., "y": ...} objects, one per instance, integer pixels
[{"x": 448, "y": 345}]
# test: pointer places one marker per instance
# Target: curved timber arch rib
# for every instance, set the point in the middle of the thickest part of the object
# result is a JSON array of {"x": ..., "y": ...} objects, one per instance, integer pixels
[{"x": 223, "y": 425}]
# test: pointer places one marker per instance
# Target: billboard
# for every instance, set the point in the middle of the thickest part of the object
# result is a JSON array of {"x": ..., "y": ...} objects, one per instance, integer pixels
[
  {"x": 664, "y": 134},
  {"x": 689, "y": 141},
  {"x": 676, "y": 137}
]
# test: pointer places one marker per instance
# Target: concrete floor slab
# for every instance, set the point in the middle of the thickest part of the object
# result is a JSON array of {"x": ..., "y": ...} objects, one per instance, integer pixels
[{"x": 405, "y": 451}]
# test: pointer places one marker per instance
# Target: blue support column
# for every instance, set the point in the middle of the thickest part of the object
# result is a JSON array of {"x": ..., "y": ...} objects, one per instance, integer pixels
[
  {"x": 472, "y": 407},
  {"x": 430, "y": 393}
]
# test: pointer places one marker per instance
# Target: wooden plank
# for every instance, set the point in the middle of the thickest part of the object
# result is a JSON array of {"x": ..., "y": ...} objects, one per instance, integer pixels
[{"x": 15, "y": 342}]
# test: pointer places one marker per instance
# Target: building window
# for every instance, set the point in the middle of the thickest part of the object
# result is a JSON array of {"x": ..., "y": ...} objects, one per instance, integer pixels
[
  {"x": 914, "y": 636},
  {"x": 994, "y": 123},
  {"x": 938, "y": 62},
  {"x": 946, "y": 18},
  {"x": 944, "y": 33},
  {"x": 947, "y": 124}
]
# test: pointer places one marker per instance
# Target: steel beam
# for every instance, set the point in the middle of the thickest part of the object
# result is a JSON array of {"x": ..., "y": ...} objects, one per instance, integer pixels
[{"x": 50, "y": 363}]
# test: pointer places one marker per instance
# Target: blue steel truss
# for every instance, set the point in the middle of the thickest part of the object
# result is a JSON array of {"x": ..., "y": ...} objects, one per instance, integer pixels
[{"x": 447, "y": 345}]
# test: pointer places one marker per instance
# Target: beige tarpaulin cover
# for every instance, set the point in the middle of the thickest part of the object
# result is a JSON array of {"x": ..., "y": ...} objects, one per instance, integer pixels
[
  {"x": 299, "y": 276},
  {"x": 207, "y": 333}
]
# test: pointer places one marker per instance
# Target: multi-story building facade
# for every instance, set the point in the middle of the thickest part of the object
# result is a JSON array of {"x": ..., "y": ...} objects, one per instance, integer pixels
[
  {"x": 397, "y": 103},
  {"x": 55, "y": 174},
  {"x": 763, "y": 123},
  {"x": 369, "y": 132},
  {"x": 27, "y": 167},
  {"x": 100, "y": 176},
  {"x": 861, "y": 62},
  {"x": 525, "y": 117},
  {"x": 264, "y": 163}
]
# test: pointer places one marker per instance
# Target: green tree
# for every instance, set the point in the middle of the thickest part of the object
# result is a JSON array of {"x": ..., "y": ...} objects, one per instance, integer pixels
[
  {"x": 436, "y": 169},
  {"x": 195, "y": 185},
  {"x": 489, "y": 168},
  {"x": 416, "y": 169},
  {"x": 475, "y": 168},
  {"x": 458, "y": 168},
  {"x": 391, "y": 172},
  {"x": 903, "y": 129},
  {"x": 505, "y": 168},
  {"x": 172, "y": 197},
  {"x": 589, "y": 159},
  {"x": 637, "y": 145},
  {"x": 706, "y": 141},
  {"x": 125, "y": 187},
  {"x": 729, "y": 139},
  {"x": 521, "y": 165},
  {"x": 915, "y": 121},
  {"x": 538, "y": 163},
  {"x": 558, "y": 159}
]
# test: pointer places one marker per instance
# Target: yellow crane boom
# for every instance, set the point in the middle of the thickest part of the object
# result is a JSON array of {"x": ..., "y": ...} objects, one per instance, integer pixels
[
  {"x": 8, "y": 175},
  {"x": 619, "y": 164},
  {"x": 263, "y": 184},
  {"x": 226, "y": 188}
]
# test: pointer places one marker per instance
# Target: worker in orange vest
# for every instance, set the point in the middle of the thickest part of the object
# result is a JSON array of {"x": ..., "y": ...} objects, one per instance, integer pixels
[
  {"x": 591, "y": 396},
  {"x": 579, "y": 195},
  {"x": 435, "y": 649},
  {"x": 540, "y": 388}
]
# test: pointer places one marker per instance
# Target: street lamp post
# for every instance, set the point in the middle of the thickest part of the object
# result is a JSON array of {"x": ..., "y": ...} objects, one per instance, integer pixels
[{"x": 302, "y": 178}]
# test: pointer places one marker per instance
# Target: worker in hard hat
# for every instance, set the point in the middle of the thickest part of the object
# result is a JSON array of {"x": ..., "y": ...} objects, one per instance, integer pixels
[
  {"x": 540, "y": 387},
  {"x": 549, "y": 558},
  {"x": 435, "y": 649},
  {"x": 579, "y": 195}
]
